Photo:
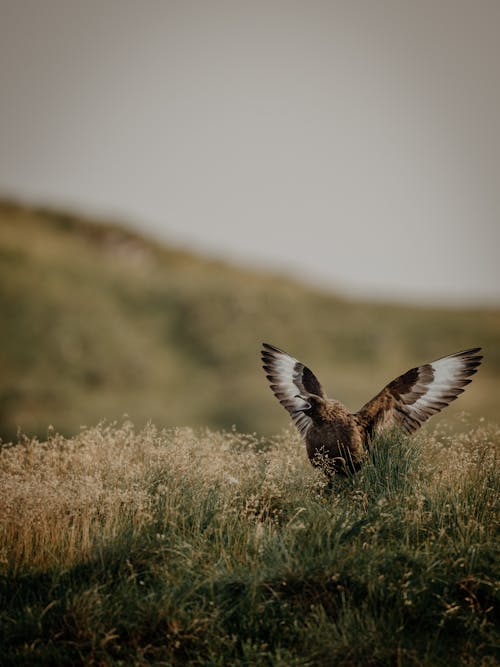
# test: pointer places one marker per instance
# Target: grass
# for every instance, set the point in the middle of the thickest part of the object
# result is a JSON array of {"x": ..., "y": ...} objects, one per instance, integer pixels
[
  {"x": 98, "y": 322},
  {"x": 199, "y": 547},
  {"x": 123, "y": 545}
]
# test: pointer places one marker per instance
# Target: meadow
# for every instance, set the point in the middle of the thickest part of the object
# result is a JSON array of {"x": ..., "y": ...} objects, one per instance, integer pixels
[
  {"x": 141, "y": 541},
  {"x": 124, "y": 546}
]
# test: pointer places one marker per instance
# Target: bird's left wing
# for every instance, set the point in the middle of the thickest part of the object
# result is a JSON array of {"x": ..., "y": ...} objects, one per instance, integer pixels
[
  {"x": 291, "y": 383},
  {"x": 409, "y": 400}
]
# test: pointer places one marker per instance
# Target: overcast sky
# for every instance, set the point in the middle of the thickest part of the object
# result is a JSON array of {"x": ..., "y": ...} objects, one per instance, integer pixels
[{"x": 353, "y": 143}]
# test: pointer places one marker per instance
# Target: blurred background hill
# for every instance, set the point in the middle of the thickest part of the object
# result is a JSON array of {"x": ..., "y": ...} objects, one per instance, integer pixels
[{"x": 98, "y": 321}]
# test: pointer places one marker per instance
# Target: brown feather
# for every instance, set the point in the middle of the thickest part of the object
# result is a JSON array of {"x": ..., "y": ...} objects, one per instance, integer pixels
[{"x": 421, "y": 392}]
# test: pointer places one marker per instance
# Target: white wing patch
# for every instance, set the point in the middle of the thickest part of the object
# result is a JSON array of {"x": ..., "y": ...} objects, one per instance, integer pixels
[
  {"x": 291, "y": 382},
  {"x": 449, "y": 377}
]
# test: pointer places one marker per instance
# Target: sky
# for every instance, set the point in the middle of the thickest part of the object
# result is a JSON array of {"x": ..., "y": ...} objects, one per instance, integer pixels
[{"x": 354, "y": 144}]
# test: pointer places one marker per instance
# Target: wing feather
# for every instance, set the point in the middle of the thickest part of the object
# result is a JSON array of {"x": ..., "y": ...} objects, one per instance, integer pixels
[
  {"x": 421, "y": 392},
  {"x": 291, "y": 383}
]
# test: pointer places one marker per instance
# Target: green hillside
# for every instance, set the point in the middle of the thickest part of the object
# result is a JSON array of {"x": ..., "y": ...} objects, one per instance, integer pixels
[{"x": 98, "y": 322}]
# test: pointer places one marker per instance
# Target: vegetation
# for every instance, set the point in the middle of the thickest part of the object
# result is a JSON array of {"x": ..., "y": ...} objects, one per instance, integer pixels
[
  {"x": 173, "y": 546},
  {"x": 98, "y": 322},
  {"x": 215, "y": 548}
]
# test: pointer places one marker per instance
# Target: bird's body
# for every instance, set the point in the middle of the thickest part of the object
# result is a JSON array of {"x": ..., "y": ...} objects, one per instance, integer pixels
[
  {"x": 338, "y": 440},
  {"x": 335, "y": 439}
]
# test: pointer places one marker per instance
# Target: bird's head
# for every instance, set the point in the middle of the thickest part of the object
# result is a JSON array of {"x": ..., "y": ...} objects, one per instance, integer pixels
[{"x": 311, "y": 404}]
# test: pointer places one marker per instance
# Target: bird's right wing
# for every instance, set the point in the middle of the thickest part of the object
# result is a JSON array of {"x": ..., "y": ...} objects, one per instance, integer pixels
[
  {"x": 291, "y": 383},
  {"x": 409, "y": 400}
]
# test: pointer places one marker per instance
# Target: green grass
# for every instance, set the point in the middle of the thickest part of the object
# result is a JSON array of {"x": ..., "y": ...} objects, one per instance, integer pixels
[
  {"x": 216, "y": 548},
  {"x": 135, "y": 546},
  {"x": 98, "y": 322}
]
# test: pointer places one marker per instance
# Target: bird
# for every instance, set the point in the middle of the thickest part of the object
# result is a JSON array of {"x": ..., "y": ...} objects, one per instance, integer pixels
[{"x": 337, "y": 440}]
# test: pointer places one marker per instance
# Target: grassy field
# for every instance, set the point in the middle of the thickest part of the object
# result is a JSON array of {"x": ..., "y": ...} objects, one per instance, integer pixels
[
  {"x": 174, "y": 547},
  {"x": 98, "y": 322},
  {"x": 171, "y": 545}
]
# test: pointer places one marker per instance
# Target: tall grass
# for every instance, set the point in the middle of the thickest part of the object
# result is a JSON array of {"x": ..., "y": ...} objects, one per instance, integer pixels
[{"x": 215, "y": 548}]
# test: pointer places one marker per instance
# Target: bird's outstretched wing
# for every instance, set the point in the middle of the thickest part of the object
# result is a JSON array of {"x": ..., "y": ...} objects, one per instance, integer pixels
[
  {"x": 291, "y": 382},
  {"x": 409, "y": 400}
]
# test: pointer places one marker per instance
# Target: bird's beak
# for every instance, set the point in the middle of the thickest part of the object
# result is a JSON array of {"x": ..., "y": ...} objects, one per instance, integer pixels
[{"x": 307, "y": 404}]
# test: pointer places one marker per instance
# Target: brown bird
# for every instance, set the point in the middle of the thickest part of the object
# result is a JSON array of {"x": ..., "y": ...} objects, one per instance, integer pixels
[{"x": 338, "y": 440}]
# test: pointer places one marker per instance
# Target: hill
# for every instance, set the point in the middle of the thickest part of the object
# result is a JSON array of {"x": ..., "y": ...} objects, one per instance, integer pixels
[{"x": 98, "y": 321}]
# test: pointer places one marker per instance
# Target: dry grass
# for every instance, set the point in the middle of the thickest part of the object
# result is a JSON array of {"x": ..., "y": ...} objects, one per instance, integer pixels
[
  {"x": 63, "y": 498},
  {"x": 200, "y": 547}
]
